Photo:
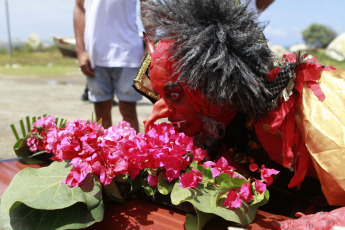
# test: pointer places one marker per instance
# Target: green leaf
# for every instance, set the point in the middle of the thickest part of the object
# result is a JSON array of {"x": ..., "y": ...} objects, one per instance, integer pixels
[
  {"x": 15, "y": 133},
  {"x": 191, "y": 221},
  {"x": 42, "y": 189},
  {"x": 147, "y": 188},
  {"x": 204, "y": 199},
  {"x": 206, "y": 173},
  {"x": 112, "y": 191},
  {"x": 164, "y": 187},
  {"x": 22, "y": 151},
  {"x": 76, "y": 216},
  {"x": 28, "y": 124},
  {"x": 197, "y": 222},
  {"x": 4, "y": 220},
  {"x": 136, "y": 183},
  {"x": 194, "y": 164},
  {"x": 38, "y": 153},
  {"x": 226, "y": 183},
  {"x": 22, "y": 128},
  {"x": 260, "y": 199}
]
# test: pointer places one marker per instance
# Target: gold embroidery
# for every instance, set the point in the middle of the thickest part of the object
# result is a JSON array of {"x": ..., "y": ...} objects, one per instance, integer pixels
[{"x": 142, "y": 81}]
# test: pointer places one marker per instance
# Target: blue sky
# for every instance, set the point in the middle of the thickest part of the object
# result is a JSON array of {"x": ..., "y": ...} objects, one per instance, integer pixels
[{"x": 286, "y": 18}]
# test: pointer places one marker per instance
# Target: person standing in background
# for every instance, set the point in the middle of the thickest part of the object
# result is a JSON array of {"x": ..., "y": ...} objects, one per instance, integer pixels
[
  {"x": 109, "y": 51},
  {"x": 259, "y": 5}
]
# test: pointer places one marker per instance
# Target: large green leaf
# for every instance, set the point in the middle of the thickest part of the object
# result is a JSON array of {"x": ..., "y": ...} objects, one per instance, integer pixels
[
  {"x": 4, "y": 220},
  {"x": 36, "y": 199},
  {"x": 204, "y": 199},
  {"x": 74, "y": 217},
  {"x": 197, "y": 222},
  {"x": 42, "y": 189}
]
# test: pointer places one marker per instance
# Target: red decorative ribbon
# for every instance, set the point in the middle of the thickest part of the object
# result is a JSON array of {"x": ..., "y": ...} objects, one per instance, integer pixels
[{"x": 306, "y": 73}]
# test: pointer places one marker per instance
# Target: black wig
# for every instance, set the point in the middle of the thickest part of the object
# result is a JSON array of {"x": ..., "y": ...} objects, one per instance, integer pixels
[{"x": 219, "y": 48}]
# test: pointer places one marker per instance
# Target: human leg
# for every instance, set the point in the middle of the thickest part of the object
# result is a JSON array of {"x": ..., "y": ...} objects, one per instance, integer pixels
[
  {"x": 103, "y": 111},
  {"x": 101, "y": 93},
  {"x": 128, "y": 111},
  {"x": 127, "y": 96}
]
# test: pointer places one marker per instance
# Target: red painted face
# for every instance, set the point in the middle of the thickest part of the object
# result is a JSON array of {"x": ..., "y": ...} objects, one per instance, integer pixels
[
  {"x": 177, "y": 103},
  {"x": 178, "y": 109}
]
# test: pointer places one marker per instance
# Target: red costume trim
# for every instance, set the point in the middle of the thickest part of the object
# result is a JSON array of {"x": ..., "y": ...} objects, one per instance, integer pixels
[{"x": 284, "y": 118}]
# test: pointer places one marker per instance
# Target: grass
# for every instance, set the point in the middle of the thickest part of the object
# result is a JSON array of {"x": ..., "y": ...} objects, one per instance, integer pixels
[
  {"x": 47, "y": 62},
  {"x": 50, "y": 62},
  {"x": 322, "y": 58}
]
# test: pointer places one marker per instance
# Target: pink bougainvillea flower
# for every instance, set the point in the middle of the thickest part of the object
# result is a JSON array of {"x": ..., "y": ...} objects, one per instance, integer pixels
[
  {"x": 209, "y": 164},
  {"x": 75, "y": 177},
  {"x": 222, "y": 166},
  {"x": 37, "y": 138},
  {"x": 266, "y": 174},
  {"x": 190, "y": 179},
  {"x": 106, "y": 153},
  {"x": 259, "y": 186},
  {"x": 246, "y": 192},
  {"x": 152, "y": 180},
  {"x": 233, "y": 200}
]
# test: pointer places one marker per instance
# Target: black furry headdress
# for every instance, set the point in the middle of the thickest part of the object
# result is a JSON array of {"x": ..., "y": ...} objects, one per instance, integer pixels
[{"x": 219, "y": 48}]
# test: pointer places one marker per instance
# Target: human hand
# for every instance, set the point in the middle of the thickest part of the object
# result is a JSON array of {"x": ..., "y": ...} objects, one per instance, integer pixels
[
  {"x": 320, "y": 220},
  {"x": 85, "y": 64}
]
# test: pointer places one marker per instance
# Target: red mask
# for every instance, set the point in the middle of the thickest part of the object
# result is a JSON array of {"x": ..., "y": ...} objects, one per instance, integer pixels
[{"x": 179, "y": 104}]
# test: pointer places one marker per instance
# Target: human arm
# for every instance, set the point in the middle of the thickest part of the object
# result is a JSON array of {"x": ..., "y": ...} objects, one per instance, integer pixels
[
  {"x": 149, "y": 28},
  {"x": 261, "y": 5},
  {"x": 320, "y": 220},
  {"x": 84, "y": 58}
]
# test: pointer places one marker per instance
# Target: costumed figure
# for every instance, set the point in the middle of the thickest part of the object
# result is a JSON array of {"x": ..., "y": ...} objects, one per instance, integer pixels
[{"x": 211, "y": 73}]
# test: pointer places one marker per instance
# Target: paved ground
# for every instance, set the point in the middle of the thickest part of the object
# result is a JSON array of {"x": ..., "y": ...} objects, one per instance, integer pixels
[{"x": 21, "y": 96}]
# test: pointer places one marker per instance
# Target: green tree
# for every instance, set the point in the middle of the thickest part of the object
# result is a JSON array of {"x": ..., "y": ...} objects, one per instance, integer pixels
[{"x": 317, "y": 35}]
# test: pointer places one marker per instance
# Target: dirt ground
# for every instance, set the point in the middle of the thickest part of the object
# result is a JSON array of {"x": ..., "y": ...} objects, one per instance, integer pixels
[{"x": 22, "y": 96}]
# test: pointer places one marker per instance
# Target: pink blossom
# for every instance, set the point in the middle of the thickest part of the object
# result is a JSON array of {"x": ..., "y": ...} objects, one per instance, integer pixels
[
  {"x": 37, "y": 138},
  {"x": 190, "y": 179},
  {"x": 209, "y": 164},
  {"x": 233, "y": 200},
  {"x": 222, "y": 166},
  {"x": 266, "y": 174},
  {"x": 75, "y": 177},
  {"x": 152, "y": 180},
  {"x": 106, "y": 153},
  {"x": 259, "y": 186},
  {"x": 246, "y": 192}
]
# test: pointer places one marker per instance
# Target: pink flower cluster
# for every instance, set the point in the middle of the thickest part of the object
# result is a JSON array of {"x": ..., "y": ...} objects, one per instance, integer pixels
[
  {"x": 107, "y": 153},
  {"x": 235, "y": 196},
  {"x": 38, "y": 136}
]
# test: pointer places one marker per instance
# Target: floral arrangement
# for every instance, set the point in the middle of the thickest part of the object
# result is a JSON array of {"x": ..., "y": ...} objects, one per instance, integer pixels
[{"x": 88, "y": 159}]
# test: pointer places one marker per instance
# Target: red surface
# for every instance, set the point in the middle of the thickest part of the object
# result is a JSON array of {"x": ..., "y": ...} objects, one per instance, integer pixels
[{"x": 141, "y": 213}]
